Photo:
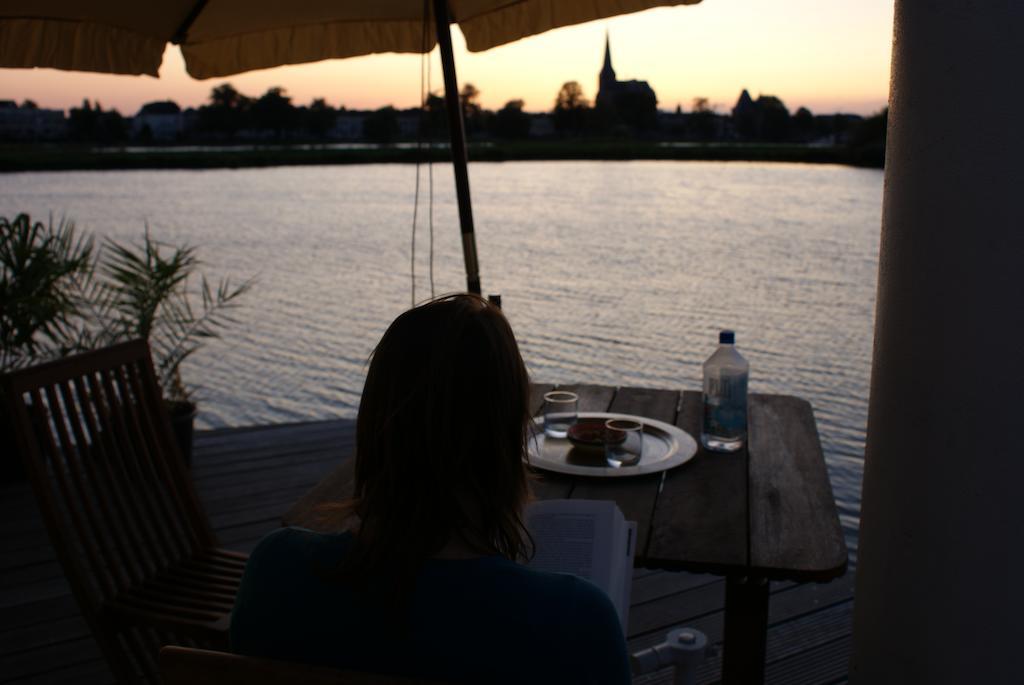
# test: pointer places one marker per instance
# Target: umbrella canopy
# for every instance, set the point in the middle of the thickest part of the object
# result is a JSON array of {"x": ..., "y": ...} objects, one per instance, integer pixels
[{"x": 225, "y": 37}]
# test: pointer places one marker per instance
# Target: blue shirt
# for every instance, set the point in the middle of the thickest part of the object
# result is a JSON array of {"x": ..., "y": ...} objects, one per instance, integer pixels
[{"x": 474, "y": 620}]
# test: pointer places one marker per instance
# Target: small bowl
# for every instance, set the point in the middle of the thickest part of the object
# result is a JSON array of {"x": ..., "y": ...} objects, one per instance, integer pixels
[{"x": 591, "y": 434}]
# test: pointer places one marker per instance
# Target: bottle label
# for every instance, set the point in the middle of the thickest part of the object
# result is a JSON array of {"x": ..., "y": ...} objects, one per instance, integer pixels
[{"x": 725, "y": 405}]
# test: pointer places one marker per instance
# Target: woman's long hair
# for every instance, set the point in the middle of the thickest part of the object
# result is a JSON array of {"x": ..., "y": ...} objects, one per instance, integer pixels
[{"x": 440, "y": 439}]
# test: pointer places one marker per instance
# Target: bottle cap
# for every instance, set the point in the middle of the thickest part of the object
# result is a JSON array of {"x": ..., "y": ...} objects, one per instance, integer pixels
[{"x": 727, "y": 338}]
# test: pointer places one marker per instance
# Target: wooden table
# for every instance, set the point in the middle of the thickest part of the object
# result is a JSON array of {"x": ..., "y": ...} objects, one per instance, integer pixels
[{"x": 761, "y": 514}]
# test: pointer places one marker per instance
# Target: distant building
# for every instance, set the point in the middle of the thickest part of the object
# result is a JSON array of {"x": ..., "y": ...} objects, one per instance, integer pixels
[
  {"x": 159, "y": 121},
  {"x": 31, "y": 123},
  {"x": 763, "y": 119},
  {"x": 835, "y": 129},
  {"x": 744, "y": 106},
  {"x": 348, "y": 126},
  {"x": 765, "y": 102},
  {"x": 409, "y": 124},
  {"x": 673, "y": 122},
  {"x": 542, "y": 125},
  {"x": 190, "y": 120},
  {"x": 634, "y": 102}
]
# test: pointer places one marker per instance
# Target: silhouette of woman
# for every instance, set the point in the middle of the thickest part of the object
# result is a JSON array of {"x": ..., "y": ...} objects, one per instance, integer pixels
[{"x": 425, "y": 581}]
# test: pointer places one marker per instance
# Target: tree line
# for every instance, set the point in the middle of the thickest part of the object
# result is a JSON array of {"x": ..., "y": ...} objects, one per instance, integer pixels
[{"x": 229, "y": 115}]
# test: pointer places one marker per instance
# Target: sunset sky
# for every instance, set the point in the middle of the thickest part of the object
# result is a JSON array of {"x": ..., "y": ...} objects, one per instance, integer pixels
[{"x": 827, "y": 56}]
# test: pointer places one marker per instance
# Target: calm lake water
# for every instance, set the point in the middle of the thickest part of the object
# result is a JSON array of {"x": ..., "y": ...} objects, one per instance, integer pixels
[{"x": 618, "y": 273}]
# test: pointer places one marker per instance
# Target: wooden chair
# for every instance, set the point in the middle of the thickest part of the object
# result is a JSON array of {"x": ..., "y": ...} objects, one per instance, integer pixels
[
  {"x": 135, "y": 544},
  {"x": 185, "y": 666}
]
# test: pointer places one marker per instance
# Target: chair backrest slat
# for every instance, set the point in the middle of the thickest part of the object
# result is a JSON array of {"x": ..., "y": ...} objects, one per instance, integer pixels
[
  {"x": 110, "y": 481},
  {"x": 167, "y": 516},
  {"x": 74, "y": 529},
  {"x": 116, "y": 519},
  {"x": 84, "y": 504},
  {"x": 144, "y": 490},
  {"x": 167, "y": 458},
  {"x": 124, "y": 468}
]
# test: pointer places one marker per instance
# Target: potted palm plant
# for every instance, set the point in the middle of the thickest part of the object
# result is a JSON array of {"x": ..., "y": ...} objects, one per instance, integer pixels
[
  {"x": 59, "y": 296},
  {"x": 147, "y": 295},
  {"x": 44, "y": 269}
]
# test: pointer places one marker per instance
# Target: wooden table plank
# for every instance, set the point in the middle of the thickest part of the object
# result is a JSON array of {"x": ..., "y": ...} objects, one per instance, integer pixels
[
  {"x": 592, "y": 397},
  {"x": 660, "y": 405},
  {"x": 701, "y": 513},
  {"x": 635, "y": 496},
  {"x": 794, "y": 525}
]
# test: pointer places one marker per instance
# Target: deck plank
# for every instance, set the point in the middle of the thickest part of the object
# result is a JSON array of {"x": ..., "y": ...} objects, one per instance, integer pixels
[{"x": 248, "y": 477}]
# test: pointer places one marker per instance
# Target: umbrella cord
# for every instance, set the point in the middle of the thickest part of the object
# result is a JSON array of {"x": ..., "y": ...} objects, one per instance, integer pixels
[
  {"x": 416, "y": 195},
  {"x": 430, "y": 197},
  {"x": 415, "y": 211},
  {"x": 425, "y": 66}
]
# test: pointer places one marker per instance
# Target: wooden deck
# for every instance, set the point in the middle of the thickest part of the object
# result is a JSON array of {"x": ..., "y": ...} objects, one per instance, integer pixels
[{"x": 248, "y": 477}]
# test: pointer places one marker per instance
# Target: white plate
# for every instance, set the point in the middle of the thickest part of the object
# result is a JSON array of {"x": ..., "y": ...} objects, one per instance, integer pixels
[{"x": 665, "y": 447}]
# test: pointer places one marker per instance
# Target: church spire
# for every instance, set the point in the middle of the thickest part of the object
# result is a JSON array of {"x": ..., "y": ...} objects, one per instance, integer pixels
[
  {"x": 607, "y": 70},
  {"x": 606, "y": 81}
]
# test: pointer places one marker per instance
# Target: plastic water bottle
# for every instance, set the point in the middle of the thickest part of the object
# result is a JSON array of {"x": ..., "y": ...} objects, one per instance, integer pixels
[{"x": 725, "y": 397}]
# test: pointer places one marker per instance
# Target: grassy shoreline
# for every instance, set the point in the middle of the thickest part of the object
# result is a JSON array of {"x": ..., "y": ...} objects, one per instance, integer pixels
[{"x": 78, "y": 157}]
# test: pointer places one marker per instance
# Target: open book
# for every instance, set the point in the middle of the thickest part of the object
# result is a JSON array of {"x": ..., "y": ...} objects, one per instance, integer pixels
[{"x": 588, "y": 538}]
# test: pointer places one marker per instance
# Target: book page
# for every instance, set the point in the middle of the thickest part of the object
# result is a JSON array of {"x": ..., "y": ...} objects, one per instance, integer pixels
[{"x": 588, "y": 538}]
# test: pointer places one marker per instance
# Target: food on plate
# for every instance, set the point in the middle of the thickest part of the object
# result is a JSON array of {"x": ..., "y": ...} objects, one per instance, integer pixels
[{"x": 593, "y": 434}]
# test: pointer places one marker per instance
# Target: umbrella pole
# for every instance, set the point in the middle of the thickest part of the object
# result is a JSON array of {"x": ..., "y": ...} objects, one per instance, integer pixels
[{"x": 457, "y": 133}]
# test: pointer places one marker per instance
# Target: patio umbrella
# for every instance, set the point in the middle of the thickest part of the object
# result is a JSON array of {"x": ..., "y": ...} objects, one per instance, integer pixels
[{"x": 226, "y": 37}]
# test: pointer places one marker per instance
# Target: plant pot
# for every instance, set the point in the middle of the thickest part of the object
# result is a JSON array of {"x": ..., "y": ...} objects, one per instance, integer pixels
[{"x": 183, "y": 417}]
